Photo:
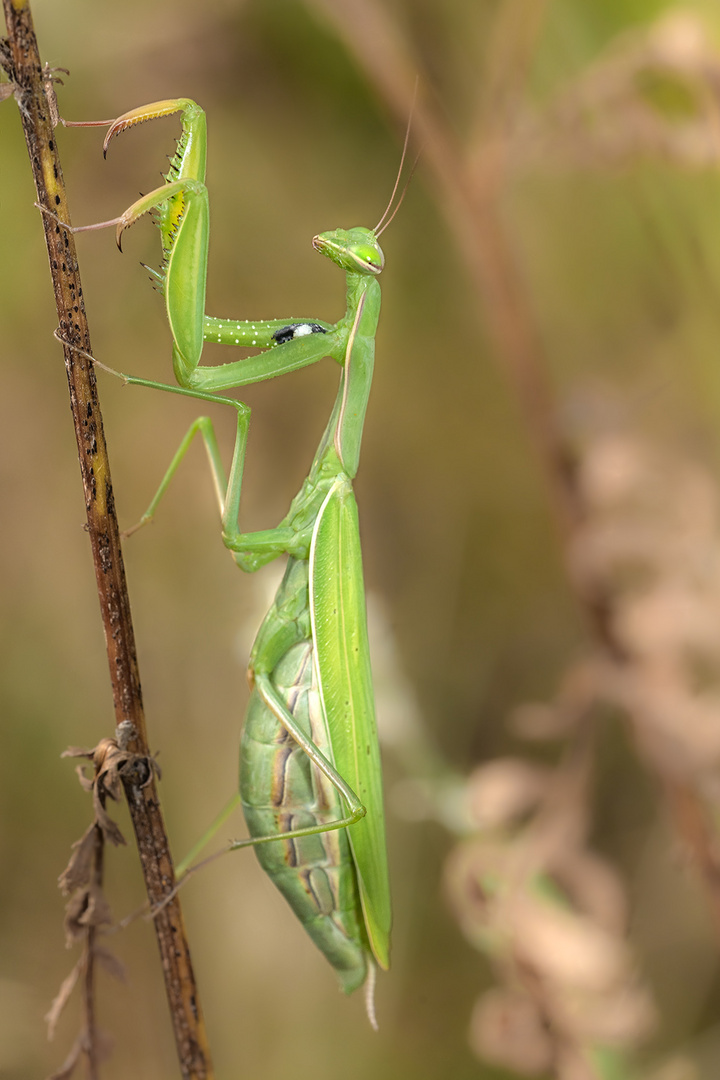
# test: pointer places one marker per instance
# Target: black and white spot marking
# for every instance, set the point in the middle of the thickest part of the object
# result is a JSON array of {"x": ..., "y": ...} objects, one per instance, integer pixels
[{"x": 297, "y": 330}]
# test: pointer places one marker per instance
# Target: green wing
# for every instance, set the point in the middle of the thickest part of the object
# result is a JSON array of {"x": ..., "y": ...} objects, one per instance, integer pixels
[{"x": 339, "y": 625}]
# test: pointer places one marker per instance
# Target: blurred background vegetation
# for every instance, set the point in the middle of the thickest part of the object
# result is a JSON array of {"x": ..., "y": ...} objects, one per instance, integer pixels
[{"x": 538, "y": 511}]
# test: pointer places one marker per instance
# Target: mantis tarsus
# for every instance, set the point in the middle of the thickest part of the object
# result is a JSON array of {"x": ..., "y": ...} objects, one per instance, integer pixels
[{"x": 310, "y": 778}]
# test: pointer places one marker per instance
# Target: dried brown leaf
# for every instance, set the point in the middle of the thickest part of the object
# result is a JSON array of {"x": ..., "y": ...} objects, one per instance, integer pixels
[
  {"x": 111, "y": 831},
  {"x": 97, "y": 911},
  {"x": 62, "y": 997},
  {"x": 68, "y": 1067},
  {"x": 111, "y": 764},
  {"x": 78, "y": 751},
  {"x": 88, "y": 907},
  {"x": 78, "y": 871},
  {"x": 103, "y": 1045},
  {"x": 86, "y": 782},
  {"x": 74, "y": 923}
]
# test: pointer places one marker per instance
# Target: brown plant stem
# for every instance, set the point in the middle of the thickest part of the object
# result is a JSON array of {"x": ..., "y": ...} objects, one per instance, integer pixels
[{"x": 21, "y": 59}]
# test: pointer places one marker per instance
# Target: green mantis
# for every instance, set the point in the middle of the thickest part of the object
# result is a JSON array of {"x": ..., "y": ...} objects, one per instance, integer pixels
[{"x": 310, "y": 778}]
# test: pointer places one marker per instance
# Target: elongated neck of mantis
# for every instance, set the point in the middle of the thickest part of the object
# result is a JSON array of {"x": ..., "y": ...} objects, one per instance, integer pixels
[
  {"x": 364, "y": 307},
  {"x": 343, "y": 434},
  {"x": 357, "y": 286},
  {"x": 339, "y": 449}
]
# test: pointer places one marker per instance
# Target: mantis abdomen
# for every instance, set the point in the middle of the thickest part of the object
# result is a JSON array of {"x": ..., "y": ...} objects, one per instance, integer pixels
[{"x": 282, "y": 790}]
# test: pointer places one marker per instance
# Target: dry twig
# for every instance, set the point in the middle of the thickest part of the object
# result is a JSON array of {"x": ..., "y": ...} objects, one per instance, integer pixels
[{"x": 21, "y": 60}]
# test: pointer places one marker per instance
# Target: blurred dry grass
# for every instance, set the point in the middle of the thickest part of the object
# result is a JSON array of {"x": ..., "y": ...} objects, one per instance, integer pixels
[{"x": 550, "y": 291}]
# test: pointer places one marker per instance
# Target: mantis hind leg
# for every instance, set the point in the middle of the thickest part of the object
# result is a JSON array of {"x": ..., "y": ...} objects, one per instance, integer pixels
[
  {"x": 279, "y": 709},
  {"x": 273, "y": 701},
  {"x": 249, "y": 550},
  {"x": 204, "y": 427}
]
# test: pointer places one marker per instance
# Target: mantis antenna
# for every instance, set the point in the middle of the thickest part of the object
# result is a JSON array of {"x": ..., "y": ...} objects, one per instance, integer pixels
[{"x": 382, "y": 223}]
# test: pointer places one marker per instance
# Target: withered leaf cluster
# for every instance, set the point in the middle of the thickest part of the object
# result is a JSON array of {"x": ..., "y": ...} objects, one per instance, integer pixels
[
  {"x": 527, "y": 891},
  {"x": 87, "y": 911}
]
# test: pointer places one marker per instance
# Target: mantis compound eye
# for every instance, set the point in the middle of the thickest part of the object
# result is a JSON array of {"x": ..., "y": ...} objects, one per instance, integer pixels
[{"x": 370, "y": 257}]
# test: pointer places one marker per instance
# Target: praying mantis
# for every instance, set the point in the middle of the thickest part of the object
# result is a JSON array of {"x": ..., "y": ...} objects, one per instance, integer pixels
[{"x": 310, "y": 775}]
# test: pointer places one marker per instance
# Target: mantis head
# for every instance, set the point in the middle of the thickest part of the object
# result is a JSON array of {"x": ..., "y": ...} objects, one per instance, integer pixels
[{"x": 354, "y": 250}]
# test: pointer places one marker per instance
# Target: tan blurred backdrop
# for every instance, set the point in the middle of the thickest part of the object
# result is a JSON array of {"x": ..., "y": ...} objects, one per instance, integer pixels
[{"x": 619, "y": 254}]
